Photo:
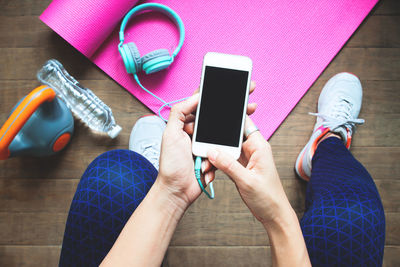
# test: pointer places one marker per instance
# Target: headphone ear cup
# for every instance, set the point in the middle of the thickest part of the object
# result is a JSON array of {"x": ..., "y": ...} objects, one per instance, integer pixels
[
  {"x": 156, "y": 60},
  {"x": 131, "y": 57}
]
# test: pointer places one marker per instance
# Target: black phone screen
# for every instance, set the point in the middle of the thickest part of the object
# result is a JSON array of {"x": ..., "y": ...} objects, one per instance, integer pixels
[{"x": 221, "y": 109}]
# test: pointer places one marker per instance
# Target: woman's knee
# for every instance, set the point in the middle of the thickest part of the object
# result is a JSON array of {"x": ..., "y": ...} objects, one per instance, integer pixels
[
  {"x": 348, "y": 226},
  {"x": 117, "y": 172},
  {"x": 119, "y": 163}
]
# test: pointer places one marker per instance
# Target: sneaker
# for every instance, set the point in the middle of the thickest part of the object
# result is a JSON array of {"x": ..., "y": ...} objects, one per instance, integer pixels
[
  {"x": 146, "y": 138},
  {"x": 338, "y": 107}
]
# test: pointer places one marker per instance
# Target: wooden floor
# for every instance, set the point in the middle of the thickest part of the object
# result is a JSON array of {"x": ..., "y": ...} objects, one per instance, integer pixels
[{"x": 35, "y": 194}]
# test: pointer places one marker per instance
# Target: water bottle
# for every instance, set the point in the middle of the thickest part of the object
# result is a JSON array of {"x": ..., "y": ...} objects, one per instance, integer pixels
[{"x": 81, "y": 101}]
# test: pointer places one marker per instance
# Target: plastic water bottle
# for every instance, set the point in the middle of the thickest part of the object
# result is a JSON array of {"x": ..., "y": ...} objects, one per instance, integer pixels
[{"x": 81, "y": 101}]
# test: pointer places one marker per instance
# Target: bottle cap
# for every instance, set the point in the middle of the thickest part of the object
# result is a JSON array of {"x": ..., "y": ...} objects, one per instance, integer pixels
[{"x": 114, "y": 131}]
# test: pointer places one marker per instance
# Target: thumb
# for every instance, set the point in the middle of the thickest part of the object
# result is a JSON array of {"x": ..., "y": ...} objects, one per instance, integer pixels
[{"x": 227, "y": 164}]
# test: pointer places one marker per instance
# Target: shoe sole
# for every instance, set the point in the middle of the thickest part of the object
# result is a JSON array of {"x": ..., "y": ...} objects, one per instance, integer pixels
[
  {"x": 148, "y": 115},
  {"x": 299, "y": 166}
]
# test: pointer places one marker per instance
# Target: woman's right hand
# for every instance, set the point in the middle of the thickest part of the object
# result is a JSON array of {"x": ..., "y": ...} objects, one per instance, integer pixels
[
  {"x": 256, "y": 178},
  {"x": 259, "y": 186}
]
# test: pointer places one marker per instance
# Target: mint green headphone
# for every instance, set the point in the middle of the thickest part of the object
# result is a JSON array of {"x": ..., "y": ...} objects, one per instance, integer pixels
[{"x": 156, "y": 60}]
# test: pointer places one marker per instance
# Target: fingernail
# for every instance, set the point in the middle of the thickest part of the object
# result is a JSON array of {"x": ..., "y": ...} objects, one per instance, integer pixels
[
  {"x": 207, "y": 178},
  {"x": 203, "y": 166},
  {"x": 212, "y": 154}
]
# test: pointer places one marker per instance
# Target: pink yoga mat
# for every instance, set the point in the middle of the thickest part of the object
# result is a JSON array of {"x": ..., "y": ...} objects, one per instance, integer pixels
[{"x": 290, "y": 43}]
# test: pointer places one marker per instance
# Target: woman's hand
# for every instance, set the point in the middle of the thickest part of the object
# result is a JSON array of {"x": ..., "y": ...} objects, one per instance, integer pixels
[
  {"x": 259, "y": 186},
  {"x": 176, "y": 159},
  {"x": 255, "y": 177}
]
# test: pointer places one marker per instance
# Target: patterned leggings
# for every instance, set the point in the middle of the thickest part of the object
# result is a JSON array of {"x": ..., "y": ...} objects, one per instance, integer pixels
[{"x": 344, "y": 222}]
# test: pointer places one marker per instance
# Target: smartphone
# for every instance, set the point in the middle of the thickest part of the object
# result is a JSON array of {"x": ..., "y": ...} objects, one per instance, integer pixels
[{"x": 220, "y": 116}]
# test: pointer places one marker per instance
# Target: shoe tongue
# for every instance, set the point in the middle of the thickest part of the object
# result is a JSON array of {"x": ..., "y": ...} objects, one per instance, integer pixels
[
  {"x": 342, "y": 110},
  {"x": 342, "y": 132}
]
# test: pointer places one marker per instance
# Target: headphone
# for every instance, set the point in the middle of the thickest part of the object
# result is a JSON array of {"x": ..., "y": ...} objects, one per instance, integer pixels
[{"x": 156, "y": 60}]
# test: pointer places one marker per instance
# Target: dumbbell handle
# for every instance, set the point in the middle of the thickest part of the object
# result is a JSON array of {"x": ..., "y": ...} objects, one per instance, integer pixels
[{"x": 21, "y": 115}]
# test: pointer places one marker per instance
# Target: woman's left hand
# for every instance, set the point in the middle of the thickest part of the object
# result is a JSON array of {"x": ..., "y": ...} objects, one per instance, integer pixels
[{"x": 176, "y": 159}]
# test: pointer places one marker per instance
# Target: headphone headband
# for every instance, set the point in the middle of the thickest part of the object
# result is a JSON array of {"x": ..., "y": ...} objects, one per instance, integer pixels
[{"x": 162, "y": 9}]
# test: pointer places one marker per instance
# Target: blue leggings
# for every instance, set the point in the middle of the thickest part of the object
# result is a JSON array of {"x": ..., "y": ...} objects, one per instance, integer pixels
[{"x": 344, "y": 222}]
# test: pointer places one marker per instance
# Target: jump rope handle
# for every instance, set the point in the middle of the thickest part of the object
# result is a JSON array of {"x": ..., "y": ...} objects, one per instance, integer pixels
[{"x": 197, "y": 171}]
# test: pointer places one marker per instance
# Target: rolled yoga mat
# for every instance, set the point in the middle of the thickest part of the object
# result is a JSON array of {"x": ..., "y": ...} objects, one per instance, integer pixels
[{"x": 290, "y": 43}]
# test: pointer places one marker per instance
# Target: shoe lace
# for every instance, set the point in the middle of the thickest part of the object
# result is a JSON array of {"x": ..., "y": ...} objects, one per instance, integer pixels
[
  {"x": 340, "y": 116},
  {"x": 151, "y": 153}
]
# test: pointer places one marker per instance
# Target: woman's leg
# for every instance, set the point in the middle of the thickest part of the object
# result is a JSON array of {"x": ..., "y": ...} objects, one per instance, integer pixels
[
  {"x": 111, "y": 188},
  {"x": 344, "y": 221}
]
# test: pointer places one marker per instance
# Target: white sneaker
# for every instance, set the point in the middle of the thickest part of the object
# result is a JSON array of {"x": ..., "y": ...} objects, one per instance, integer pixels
[
  {"x": 338, "y": 107},
  {"x": 146, "y": 138}
]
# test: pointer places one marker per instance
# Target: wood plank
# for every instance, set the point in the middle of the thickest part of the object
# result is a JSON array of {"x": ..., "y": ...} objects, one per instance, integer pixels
[
  {"x": 369, "y": 134},
  {"x": 26, "y": 256},
  {"x": 392, "y": 228},
  {"x": 377, "y": 31},
  {"x": 115, "y": 96},
  {"x": 217, "y": 228},
  {"x": 295, "y": 132},
  {"x": 391, "y": 256},
  {"x": 297, "y": 128},
  {"x": 77, "y": 64},
  {"x": 387, "y": 191},
  {"x": 37, "y": 195},
  {"x": 204, "y": 228},
  {"x": 27, "y": 31},
  {"x": 389, "y": 168},
  {"x": 240, "y": 229},
  {"x": 379, "y": 111},
  {"x": 368, "y": 63},
  {"x": 23, "y": 7},
  {"x": 387, "y": 8},
  {"x": 66, "y": 166},
  {"x": 242, "y": 256},
  {"x": 379, "y": 97},
  {"x": 30, "y": 31},
  {"x": 218, "y": 256},
  {"x": 55, "y": 195},
  {"x": 29, "y": 256},
  {"x": 32, "y": 228},
  {"x": 47, "y": 195},
  {"x": 285, "y": 158}
]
